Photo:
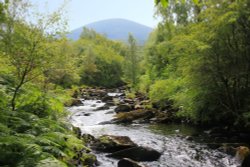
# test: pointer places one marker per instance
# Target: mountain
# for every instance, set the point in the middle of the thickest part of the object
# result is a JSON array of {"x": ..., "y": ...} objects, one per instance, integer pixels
[{"x": 116, "y": 29}]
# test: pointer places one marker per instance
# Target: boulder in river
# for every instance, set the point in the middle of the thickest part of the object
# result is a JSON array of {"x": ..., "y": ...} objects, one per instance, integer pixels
[
  {"x": 89, "y": 159},
  {"x": 126, "y": 162},
  {"x": 105, "y": 107},
  {"x": 128, "y": 117},
  {"x": 107, "y": 98},
  {"x": 88, "y": 138},
  {"x": 123, "y": 108},
  {"x": 110, "y": 103},
  {"x": 110, "y": 143},
  {"x": 76, "y": 102},
  {"x": 106, "y": 123},
  {"x": 137, "y": 153}
]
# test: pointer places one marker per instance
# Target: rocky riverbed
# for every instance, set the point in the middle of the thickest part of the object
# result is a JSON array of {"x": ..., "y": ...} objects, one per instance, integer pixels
[{"x": 138, "y": 140}]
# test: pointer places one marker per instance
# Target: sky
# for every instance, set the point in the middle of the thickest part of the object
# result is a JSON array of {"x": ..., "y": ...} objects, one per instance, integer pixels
[{"x": 82, "y": 12}]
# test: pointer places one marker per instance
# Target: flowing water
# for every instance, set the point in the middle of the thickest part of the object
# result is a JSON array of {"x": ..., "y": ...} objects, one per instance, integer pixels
[{"x": 177, "y": 151}]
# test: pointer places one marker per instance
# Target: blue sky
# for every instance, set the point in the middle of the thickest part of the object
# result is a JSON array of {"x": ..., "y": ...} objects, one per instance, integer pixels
[{"x": 82, "y": 12}]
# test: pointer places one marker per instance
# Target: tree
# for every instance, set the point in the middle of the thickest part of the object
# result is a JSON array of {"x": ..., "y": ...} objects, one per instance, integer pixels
[
  {"x": 100, "y": 60},
  {"x": 131, "y": 65},
  {"x": 64, "y": 70},
  {"x": 26, "y": 45},
  {"x": 202, "y": 65}
]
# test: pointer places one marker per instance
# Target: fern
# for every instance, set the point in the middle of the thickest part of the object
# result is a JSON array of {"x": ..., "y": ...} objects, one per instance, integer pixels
[
  {"x": 54, "y": 151},
  {"x": 4, "y": 130},
  {"x": 51, "y": 162}
]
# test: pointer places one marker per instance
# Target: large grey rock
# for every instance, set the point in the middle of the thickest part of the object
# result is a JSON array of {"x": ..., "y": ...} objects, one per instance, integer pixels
[
  {"x": 126, "y": 162},
  {"x": 76, "y": 102},
  {"x": 123, "y": 108},
  {"x": 105, "y": 107},
  {"x": 107, "y": 98},
  {"x": 110, "y": 143},
  {"x": 137, "y": 153}
]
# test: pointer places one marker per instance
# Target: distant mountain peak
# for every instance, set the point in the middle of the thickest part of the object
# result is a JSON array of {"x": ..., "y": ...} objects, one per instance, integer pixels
[{"x": 116, "y": 29}]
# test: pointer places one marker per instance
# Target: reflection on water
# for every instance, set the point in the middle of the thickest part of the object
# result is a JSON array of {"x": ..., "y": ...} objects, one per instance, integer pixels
[{"x": 173, "y": 129}]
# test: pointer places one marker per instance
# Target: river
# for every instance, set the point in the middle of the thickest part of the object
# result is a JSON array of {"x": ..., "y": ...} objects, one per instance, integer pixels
[{"x": 177, "y": 150}]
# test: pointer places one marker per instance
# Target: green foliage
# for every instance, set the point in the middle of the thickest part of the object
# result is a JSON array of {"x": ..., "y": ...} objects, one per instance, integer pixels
[
  {"x": 99, "y": 60},
  {"x": 29, "y": 139},
  {"x": 165, "y": 3},
  {"x": 200, "y": 63},
  {"x": 131, "y": 63},
  {"x": 34, "y": 67},
  {"x": 64, "y": 70}
]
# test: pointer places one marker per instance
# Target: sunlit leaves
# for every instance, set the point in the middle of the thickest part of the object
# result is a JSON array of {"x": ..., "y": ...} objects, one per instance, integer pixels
[
  {"x": 100, "y": 59},
  {"x": 165, "y": 3},
  {"x": 196, "y": 2},
  {"x": 205, "y": 74}
]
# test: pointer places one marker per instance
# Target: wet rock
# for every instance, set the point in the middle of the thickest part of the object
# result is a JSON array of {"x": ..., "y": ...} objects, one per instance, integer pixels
[
  {"x": 79, "y": 114},
  {"x": 137, "y": 153},
  {"x": 87, "y": 114},
  {"x": 86, "y": 97},
  {"x": 126, "y": 162},
  {"x": 88, "y": 138},
  {"x": 109, "y": 112},
  {"x": 129, "y": 101},
  {"x": 110, "y": 103},
  {"x": 128, "y": 117},
  {"x": 189, "y": 138},
  {"x": 76, "y": 94},
  {"x": 105, "y": 123},
  {"x": 95, "y": 93},
  {"x": 140, "y": 121},
  {"x": 153, "y": 120},
  {"x": 123, "y": 108},
  {"x": 228, "y": 150},
  {"x": 105, "y": 107},
  {"x": 107, "y": 98},
  {"x": 110, "y": 143},
  {"x": 76, "y": 102},
  {"x": 89, "y": 160},
  {"x": 102, "y": 93}
]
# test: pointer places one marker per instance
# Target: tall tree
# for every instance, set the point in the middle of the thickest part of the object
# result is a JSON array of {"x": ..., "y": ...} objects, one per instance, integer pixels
[
  {"x": 26, "y": 45},
  {"x": 131, "y": 66}
]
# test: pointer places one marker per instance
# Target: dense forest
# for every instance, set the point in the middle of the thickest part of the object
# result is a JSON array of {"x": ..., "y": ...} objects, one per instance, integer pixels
[{"x": 197, "y": 60}]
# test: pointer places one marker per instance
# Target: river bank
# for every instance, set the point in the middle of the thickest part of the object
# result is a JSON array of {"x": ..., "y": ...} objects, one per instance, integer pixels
[{"x": 95, "y": 113}]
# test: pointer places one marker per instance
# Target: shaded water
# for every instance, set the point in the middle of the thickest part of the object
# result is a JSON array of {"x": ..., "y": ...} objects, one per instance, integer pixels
[{"x": 170, "y": 140}]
